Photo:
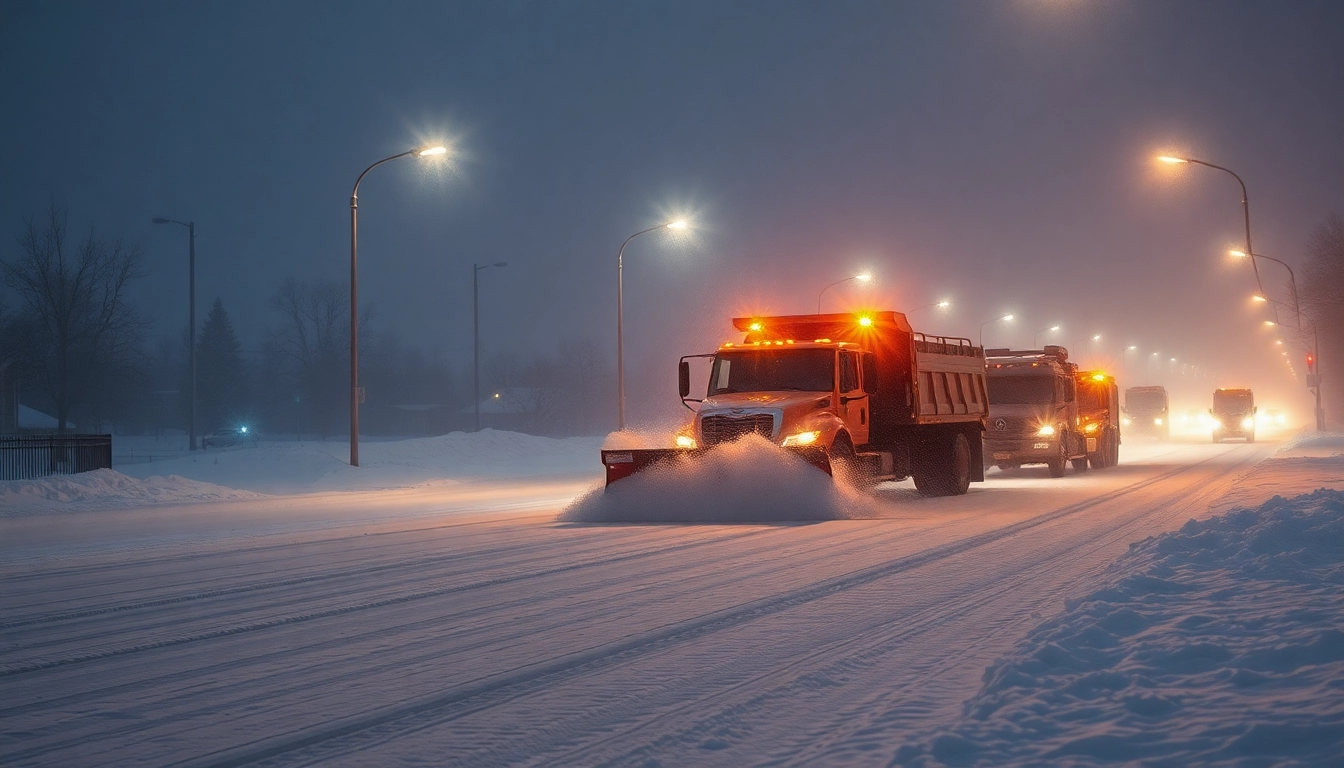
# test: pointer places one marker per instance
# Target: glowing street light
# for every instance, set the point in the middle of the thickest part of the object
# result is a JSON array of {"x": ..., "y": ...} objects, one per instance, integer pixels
[
  {"x": 620, "y": 315},
  {"x": 944, "y": 304},
  {"x": 1270, "y": 322},
  {"x": 1245, "y": 202},
  {"x": 1259, "y": 299},
  {"x": 1097, "y": 337},
  {"x": 1037, "y": 335},
  {"x": 1004, "y": 319},
  {"x": 354, "y": 293},
  {"x": 862, "y": 278}
]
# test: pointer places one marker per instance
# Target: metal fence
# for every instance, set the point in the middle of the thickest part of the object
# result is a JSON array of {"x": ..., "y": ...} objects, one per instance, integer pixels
[{"x": 25, "y": 456}]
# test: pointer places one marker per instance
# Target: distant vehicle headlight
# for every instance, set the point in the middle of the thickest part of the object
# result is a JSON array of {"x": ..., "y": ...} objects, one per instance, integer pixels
[
  {"x": 1216, "y": 424},
  {"x": 685, "y": 441},
  {"x": 1247, "y": 423},
  {"x": 1125, "y": 421},
  {"x": 1091, "y": 427},
  {"x": 801, "y": 438},
  {"x": 1157, "y": 421},
  {"x": 1045, "y": 431},
  {"x": 1280, "y": 419}
]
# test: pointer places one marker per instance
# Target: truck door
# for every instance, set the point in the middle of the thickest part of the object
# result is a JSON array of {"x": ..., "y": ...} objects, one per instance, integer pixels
[{"x": 853, "y": 402}]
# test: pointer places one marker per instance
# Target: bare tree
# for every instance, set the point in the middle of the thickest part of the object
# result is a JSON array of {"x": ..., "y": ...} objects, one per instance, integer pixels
[
  {"x": 76, "y": 327},
  {"x": 314, "y": 336}
]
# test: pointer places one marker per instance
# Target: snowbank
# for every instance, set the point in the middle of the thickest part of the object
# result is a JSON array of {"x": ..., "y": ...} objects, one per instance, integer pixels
[
  {"x": 1220, "y": 643},
  {"x": 105, "y": 488},
  {"x": 285, "y": 468},
  {"x": 748, "y": 481}
]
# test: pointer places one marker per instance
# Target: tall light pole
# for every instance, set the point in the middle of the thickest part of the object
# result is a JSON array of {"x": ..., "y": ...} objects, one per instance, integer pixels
[
  {"x": 620, "y": 317},
  {"x": 476, "y": 336},
  {"x": 1037, "y": 335},
  {"x": 1004, "y": 319},
  {"x": 863, "y": 278},
  {"x": 1297, "y": 310},
  {"x": 354, "y": 294},
  {"x": 1245, "y": 203},
  {"x": 191, "y": 315}
]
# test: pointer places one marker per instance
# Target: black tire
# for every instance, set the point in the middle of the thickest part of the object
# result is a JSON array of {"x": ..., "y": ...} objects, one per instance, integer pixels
[
  {"x": 1100, "y": 459},
  {"x": 844, "y": 461},
  {"x": 1114, "y": 459},
  {"x": 944, "y": 469},
  {"x": 1079, "y": 464},
  {"x": 1057, "y": 464}
]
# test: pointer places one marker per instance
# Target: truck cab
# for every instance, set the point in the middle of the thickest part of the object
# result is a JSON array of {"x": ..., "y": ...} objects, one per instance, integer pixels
[
  {"x": 1033, "y": 410},
  {"x": 1147, "y": 411},
  {"x": 1099, "y": 417},
  {"x": 1233, "y": 414}
]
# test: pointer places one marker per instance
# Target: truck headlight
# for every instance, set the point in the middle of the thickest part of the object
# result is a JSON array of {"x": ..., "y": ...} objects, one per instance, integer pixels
[
  {"x": 1158, "y": 422},
  {"x": 1125, "y": 421},
  {"x": 685, "y": 441},
  {"x": 1090, "y": 428},
  {"x": 801, "y": 438},
  {"x": 1247, "y": 423},
  {"x": 1045, "y": 431},
  {"x": 1216, "y": 424}
]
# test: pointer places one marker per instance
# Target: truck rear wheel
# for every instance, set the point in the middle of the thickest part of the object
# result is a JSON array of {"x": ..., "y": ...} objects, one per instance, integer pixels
[{"x": 945, "y": 468}]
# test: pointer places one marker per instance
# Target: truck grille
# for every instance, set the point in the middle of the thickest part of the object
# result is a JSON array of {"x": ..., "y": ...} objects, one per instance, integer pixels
[
  {"x": 724, "y": 429},
  {"x": 1013, "y": 427}
]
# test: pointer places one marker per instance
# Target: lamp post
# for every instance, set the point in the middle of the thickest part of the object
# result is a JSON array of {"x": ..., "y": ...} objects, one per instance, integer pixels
[
  {"x": 354, "y": 294},
  {"x": 944, "y": 304},
  {"x": 1297, "y": 311},
  {"x": 620, "y": 317},
  {"x": 863, "y": 278},
  {"x": 191, "y": 316},
  {"x": 1004, "y": 319},
  {"x": 1245, "y": 203},
  {"x": 476, "y": 336},
  {"x": 1037, "y": 335}
]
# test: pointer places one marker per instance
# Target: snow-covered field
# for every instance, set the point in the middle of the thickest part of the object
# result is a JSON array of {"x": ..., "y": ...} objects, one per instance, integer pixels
[{"x": 452, "y": 602}]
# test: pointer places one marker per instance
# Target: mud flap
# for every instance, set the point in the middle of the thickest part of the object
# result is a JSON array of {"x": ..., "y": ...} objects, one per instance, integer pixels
[{"x": 621, "y": 464}]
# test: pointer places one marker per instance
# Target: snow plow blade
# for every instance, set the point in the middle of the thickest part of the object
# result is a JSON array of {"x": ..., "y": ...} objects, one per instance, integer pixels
[{"x": 621, "y": 464}]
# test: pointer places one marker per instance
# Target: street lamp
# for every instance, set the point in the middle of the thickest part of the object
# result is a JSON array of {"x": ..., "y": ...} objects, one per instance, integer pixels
[
  {"x": 1245, "y": 203},
  {"x": 1037, "y": 335},
  {"x": 191, "y": 315},
  {"x": 862, "y": 278},
  {"x": 1004, "y": 319},
  {"x": 476, "y": 336},
  {"x": 620, "y": 317},
  {"x": 354, "y": 294}
]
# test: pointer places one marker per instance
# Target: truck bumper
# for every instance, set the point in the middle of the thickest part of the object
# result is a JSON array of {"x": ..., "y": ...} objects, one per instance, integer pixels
[{"x": 1024, "y": 451}]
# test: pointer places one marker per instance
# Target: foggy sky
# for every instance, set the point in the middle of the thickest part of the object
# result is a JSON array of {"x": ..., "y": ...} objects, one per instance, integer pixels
[{"x": 995, "y": 153}]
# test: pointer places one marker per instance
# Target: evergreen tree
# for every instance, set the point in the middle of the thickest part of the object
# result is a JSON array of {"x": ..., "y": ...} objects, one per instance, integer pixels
[{"x": 221, "y": 375}]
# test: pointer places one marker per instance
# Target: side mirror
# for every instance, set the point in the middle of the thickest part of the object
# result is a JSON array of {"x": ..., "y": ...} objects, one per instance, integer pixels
[
  {"x": 1210, "y": 411},
  {"x": 684, "y": 378}
]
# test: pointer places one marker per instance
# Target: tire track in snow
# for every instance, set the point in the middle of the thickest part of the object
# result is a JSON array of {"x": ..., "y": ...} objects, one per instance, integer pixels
[
  {"x": 572, "y": 664},
  {"x": 280, "y": 583},
  {"x": 345, "y": 609},
  {"x": 875, "y": 640}
]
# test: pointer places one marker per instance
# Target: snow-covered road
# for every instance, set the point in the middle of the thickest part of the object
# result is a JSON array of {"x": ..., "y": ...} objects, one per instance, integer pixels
[{"x": 465, "y": 625}]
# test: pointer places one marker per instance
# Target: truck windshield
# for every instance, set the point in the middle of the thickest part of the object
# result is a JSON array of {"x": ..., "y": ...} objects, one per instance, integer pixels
[
  {"x": 806, "y": 370},
  {"x": 1232, "y": 402},
  {"x": 1093, "y": 396},
  {"x": 1145, "y": 402},
  {"x": 1020, "y": 390}
]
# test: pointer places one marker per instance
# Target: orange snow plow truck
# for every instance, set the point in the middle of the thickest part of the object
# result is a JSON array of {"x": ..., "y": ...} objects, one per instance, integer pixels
[{"x": 860, "y": 393}]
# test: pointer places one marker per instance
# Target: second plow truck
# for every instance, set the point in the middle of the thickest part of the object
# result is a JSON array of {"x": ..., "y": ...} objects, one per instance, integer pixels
[
  {"x": 1099, "y": 417},
  {"x": 1033, "y": 410},
  {"x": 859, "y": 391}
]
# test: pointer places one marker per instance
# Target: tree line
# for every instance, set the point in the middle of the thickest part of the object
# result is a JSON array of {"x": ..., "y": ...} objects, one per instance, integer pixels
[{"x": 77, "y": 348}]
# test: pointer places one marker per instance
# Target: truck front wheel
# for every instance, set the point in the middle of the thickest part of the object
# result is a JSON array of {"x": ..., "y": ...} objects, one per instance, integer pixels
[{"x": 1056, "y": 465}]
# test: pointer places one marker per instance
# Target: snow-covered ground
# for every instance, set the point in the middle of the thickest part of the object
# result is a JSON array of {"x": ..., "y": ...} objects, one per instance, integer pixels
[{"x": 452, "y": 603}]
